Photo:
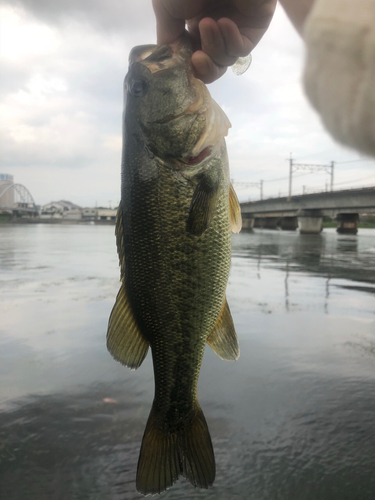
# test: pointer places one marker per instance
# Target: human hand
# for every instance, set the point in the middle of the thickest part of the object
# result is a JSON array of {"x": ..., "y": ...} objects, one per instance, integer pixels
[
  {"x": 220, "y": 30},
  {"x": 297, "y": 11}
]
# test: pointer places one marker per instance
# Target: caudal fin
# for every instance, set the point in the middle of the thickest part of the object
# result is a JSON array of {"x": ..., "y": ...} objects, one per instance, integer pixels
[{"x": 165, "y": 456}]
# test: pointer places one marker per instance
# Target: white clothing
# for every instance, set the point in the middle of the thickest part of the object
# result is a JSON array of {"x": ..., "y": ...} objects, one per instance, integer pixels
[{"x": 339, "y": 75}]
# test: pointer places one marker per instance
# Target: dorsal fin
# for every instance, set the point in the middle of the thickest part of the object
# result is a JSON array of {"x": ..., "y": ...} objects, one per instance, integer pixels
[{"x": 223, "y": 339}]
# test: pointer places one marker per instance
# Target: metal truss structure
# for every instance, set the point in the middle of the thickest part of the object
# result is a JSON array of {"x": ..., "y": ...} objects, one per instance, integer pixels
[
  {"x": 24, "y": 201},
  {"x": 258, "y": 185},
  {"x": 312, "y": 167}
]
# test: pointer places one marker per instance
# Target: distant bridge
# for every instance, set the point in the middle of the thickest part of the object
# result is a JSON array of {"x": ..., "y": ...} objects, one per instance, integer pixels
[
  {"x": 308, "y": 210},
  {"x": 26, "y": 203}
]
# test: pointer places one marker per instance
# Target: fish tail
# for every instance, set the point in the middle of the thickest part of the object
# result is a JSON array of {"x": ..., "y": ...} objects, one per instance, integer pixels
[{"x": 165, "y": 456}]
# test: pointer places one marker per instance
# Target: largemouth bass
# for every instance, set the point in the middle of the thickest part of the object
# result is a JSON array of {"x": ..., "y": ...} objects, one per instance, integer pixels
[{"x": 173, "y": 231}]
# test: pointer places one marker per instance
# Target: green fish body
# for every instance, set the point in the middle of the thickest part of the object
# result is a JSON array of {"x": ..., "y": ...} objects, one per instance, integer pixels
[{"x": 173, "y": 235}]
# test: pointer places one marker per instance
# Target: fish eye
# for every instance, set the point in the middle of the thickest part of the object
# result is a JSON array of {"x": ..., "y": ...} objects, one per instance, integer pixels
[{"x": 138, "y": 88}]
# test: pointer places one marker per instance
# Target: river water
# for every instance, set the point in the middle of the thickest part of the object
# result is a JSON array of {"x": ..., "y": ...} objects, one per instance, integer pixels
[{"x": 292, "y": 419}]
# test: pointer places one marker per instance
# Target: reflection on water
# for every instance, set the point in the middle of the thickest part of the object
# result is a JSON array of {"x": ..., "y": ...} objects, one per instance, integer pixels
[
  {"x": 343, "y": 261},
  {"x": 292, "y": 419}
]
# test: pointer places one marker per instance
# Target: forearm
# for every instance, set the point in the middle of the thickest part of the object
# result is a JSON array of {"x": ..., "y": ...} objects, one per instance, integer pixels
[
  {"x": 297, "y": 11},
  {"x": 339, "y": 71}
]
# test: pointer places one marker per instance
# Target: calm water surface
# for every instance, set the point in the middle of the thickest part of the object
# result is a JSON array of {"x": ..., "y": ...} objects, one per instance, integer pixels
[{"x": 292, "y": 419}]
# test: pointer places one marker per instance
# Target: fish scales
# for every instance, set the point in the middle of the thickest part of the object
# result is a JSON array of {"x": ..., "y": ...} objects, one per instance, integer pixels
[
  {"x": 178, "y": 279},
  {"x": 173, "y": 237}
]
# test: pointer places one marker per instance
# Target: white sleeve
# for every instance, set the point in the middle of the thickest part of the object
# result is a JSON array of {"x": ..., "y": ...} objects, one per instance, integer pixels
[{"x": 339, "y": 74}]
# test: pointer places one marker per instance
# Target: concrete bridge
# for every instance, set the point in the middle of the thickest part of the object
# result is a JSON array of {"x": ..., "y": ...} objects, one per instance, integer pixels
[{"x": 307, "y": 211}]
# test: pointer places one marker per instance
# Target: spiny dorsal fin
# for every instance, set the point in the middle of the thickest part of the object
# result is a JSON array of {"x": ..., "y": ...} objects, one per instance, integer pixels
[
  {"x": 223, "y": 339},
  {"x": 235, "y": 211},
  {"x": 124, "y": 339},
  {"x": 119, "y": 232},
  {"x": 203, "y": 206}
]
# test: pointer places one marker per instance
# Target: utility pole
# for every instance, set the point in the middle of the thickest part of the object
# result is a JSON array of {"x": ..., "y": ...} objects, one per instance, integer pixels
[
  {"x": 332, "y": 173},
  {"x": 290, "y": 174},
  {"x": 261, "y": 189}
]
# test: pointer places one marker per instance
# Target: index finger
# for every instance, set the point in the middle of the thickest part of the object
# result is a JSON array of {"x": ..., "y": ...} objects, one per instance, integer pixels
[
  {"x": 171, "y": 16},
  {"x": 168, "y": 27}
]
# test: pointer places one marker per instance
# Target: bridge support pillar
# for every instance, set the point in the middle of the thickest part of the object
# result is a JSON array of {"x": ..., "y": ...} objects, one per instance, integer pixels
[
  {"x": 270, "y": 222},
  {"x": 310, "y": 221},
  {"x": 247, "y": 222},
  {"x": 347, "y": 223},
  {"x": 289, "y": 223}
]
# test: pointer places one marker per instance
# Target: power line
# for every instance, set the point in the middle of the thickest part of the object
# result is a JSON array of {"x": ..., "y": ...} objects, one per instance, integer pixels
[
  {"x": 306, "y": 173},
  {"x": 258, "y": 185},
  {"x": 353, "y": 161},
  {"x": 357, "y": 180},
  {"x": 276, "y": 180},
  {"x": 314, "y": 154}
]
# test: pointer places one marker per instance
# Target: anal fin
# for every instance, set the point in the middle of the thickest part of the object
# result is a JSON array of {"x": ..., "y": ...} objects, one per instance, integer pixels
[
  {"x": 223, "y": 339},
  {"x": 124, "y": 339}
]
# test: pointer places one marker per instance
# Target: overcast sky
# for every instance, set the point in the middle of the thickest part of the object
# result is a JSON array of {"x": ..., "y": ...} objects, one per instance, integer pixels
[{"x": 63, "y": 64}]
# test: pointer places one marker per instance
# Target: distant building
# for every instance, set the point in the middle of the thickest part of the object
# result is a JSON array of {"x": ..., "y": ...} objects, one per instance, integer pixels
[
  {"x": 6, "y": 194},
  {"x": 66, "y": 210},
  {"x": 108, "y": 214},
  {"x": 58, "y": 209},
  {"x": 73, "y": 214},
  {"x": 89, "y": 214}
]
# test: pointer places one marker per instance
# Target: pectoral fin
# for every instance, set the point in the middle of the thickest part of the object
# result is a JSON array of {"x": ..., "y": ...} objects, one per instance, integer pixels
[
  {"x": 223, "y": 339},
  {"x": 124, "y": 339},
  {"x": 203, "y": 206},
  {"x": 235, "y": 211}
]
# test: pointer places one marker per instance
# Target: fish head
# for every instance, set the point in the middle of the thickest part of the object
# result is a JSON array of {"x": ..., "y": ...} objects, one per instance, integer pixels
[{"x": 172, "y": 110}]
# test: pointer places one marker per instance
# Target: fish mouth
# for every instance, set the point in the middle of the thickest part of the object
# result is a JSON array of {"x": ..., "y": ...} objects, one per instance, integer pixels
[{"x": 161, "y": 57}]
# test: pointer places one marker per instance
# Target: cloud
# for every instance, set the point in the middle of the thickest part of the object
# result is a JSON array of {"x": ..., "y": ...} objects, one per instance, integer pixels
[
  {"x": 61, "y": 100},
  {"x": 109, "y": 16},
  {"x": 60, "y": 106}
]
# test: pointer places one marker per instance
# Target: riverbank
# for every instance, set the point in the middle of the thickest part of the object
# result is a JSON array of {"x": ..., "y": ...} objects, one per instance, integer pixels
[
  {"x": 71, "y": 222},
  {"x": 361, "y": 225},
  {"x": 38, "y": 220}
]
